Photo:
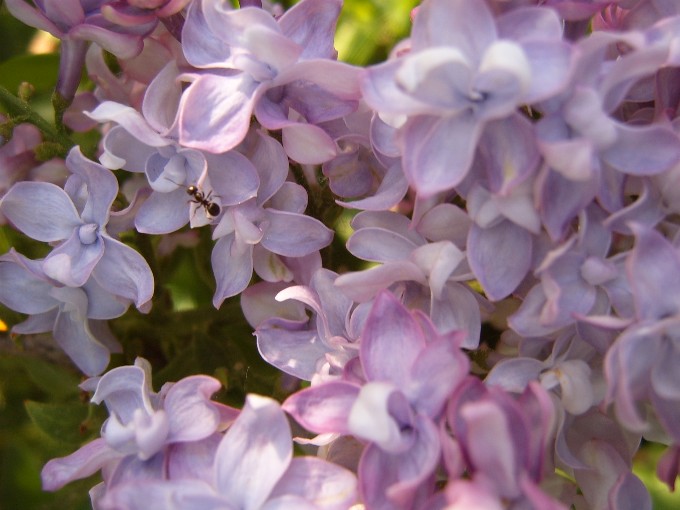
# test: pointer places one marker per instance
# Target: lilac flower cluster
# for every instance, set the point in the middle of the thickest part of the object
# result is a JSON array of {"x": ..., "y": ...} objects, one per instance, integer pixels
[{"x": 516, "y": 165}]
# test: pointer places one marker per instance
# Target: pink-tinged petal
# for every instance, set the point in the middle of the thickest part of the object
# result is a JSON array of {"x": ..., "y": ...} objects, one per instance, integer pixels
[
  {"x": 311, "y": 24},
  {"x": 84, "y": 462},
  {"x": 287, "y": 501},
  {"x": 379, "y": 245},
  {"x": 131, "y": 120},
  {"x": 465, "y": 494},
  {"x": 462, "y": 24},
  {"x": 121, "y": 45},
  {"x": 500, "y": 257},
  {"x": 65, "y": 13},
  {"x": 643, "y": 150},
  {"x": 192, "y": 415},
  {"x": 324, "y": 408},
  {"x": 294, "y": 235},
  {"x": 399, "y": 480},
  {"x": 537, "y": 497},
  {"x": 259, "y": 443},
  {"x": 24, "y": 12},
  {"x": 606, "y": 466},
  {"x": 361, "y": 286},
  {"x": 73, "y": 335},
  {"x": 326, "y": 485},
  {"x": 232, "y": 263},
  {"x": 435, "y": 375},
  {"x": 215, "y": 112},
  {"x": 653, "y": 268},
  {"x": 629, "y": 493},
  {"x": 298, "y": 352},
  {"x": 337, "y": 79},
  {"x": 495, "y": 458},
  {"x": 41, "y": 210},
  {"x": 124, "y": 272},
  {"x": 438, "y": 151},
  {"x": 391, "y": 341},
  {"x": 308, "y": 144},
  {"x": 668, "y": 466},
  {"x": 72, "y": 262}
]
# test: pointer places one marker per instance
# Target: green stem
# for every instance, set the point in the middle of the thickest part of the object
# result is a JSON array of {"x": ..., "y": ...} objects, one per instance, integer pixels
[{"x": 21, "y": 111}]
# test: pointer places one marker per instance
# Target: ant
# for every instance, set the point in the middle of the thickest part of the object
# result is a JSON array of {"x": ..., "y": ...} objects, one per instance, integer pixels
[{"x": 211, "y": 208}]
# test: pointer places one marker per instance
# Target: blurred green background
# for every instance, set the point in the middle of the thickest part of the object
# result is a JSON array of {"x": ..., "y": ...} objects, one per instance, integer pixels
[{"x": 42, "y": 413}]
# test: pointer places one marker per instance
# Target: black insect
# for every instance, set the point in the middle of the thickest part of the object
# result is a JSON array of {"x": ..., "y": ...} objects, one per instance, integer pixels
[{"x": 211, "y": 208}]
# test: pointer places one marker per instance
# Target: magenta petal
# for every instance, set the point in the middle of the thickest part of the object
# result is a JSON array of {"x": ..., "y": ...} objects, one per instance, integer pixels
[
  {"x": 500, "y": 257},
  {"x": 323, "y": 408},
  {"x": 84, "y": 462},
  {"x": 259, "y": 443}
]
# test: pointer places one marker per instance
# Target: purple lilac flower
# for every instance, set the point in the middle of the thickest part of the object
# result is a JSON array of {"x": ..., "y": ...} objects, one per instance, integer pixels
[
  {"x": 76, "y": 316},
  {"x": 499, "y": 443},
  {"x": 76, "y": 22},
  {"x": 279, "y": 69},
  {"x": 137, "y": 146},
  {"x": 428, "y": 274},
  {"x": 76, "y": 219},
  {"x": 251, "y": 468},
  {"x": 263, "y": 229},
  {"x": 138, "y": 439},
  {"x": 639, "y": 366},
  {"x": 457, "y": 77},
  {"x": 313, "y": 349},
  {"x": 410, "y": 372}
]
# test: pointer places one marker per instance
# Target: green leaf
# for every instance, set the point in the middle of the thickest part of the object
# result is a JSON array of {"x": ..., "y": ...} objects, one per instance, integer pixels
[
  {"x": 62, "y": 422},
  {"x": 52, "y": 379},
  {"x": 39, "y": 70}
]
